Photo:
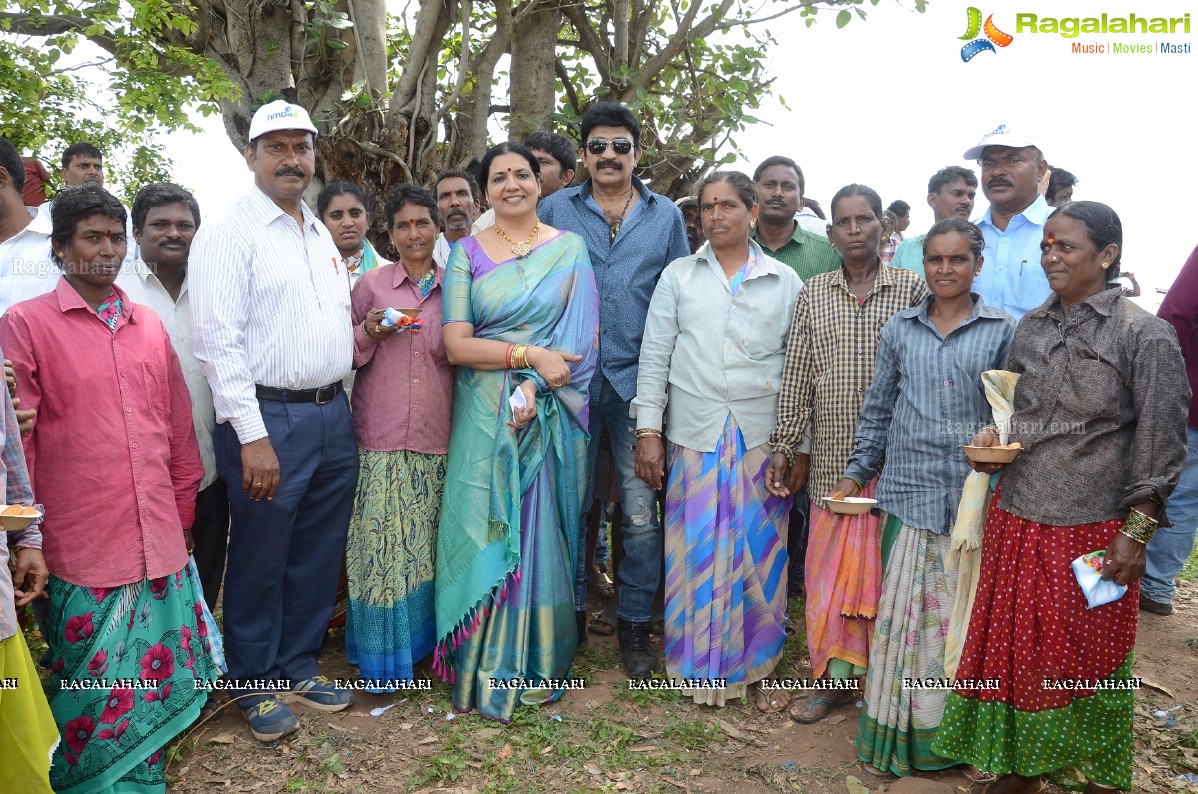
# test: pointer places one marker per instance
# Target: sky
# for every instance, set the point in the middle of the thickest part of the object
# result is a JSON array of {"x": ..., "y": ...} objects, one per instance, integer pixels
[{"x": 889, "y": 101}]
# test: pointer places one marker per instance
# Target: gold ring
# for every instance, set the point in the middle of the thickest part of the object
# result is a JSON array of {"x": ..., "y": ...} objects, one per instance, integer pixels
[{"x": 257, "y": 485}]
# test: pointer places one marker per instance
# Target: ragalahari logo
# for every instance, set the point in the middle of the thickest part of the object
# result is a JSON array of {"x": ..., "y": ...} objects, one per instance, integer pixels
[{"x": 976, "y": 45}]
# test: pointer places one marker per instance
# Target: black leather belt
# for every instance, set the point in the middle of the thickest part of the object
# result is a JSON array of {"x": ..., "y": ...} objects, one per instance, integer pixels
[{"x": 325, "y": 394}]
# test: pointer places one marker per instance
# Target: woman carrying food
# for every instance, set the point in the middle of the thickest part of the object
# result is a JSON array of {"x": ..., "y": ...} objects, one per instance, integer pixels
[
  {"x": 1100, "y": 411},
  {"x": 829, "y": 365},
  {"x": 401, "y": 400},
  {"x": 926, "y": 400},
  {"x": 712, "y": 356},
  {"x": 521, "y": 321}
]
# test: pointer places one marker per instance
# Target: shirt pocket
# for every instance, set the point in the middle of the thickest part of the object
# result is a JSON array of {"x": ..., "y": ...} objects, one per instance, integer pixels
[
  {"x": 158, "y": 394},
  {"x": 1093, "y": 389}
]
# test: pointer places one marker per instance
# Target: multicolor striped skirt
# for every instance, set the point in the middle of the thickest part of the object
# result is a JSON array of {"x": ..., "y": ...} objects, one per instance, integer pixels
[
  {"x": 1031, "y": 633},
  {"x": 725, "y": 559},
  {"x": 390, "y": 561},
  {"x": 899, "y": 721}
]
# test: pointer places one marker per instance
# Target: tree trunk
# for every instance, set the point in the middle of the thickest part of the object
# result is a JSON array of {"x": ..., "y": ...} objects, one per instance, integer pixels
[{"x": 534, "y": 46}]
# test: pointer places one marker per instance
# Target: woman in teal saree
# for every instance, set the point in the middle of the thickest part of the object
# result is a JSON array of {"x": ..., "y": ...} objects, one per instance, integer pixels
[{"x": 521, "y": 319}]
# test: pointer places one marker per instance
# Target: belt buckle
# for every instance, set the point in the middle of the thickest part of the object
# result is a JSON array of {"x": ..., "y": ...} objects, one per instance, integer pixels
[{"x": 330, "y": 390}]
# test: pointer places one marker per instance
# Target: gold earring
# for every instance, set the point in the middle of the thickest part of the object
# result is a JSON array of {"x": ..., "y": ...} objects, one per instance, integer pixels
[{"x": 1105, "y": 265}]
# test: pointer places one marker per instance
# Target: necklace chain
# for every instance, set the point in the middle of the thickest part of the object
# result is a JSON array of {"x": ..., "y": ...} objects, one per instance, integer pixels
[
  {"x": 520, "y": 250},
  {"x": 614, "y": 226}
]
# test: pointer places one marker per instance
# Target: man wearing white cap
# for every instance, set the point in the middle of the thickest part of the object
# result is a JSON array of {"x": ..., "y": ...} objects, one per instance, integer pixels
[
  {"x": 1013, "y": 225},
  {"x": 271, "y": 325}
]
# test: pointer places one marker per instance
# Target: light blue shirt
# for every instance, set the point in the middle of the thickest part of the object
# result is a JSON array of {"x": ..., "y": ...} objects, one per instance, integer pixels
[
  {"x": 926, "y": 400},
  {"x": 909, "y": 255},
  {"x": 1011, "y": 277},
  {"x": 713, "y": 352}
]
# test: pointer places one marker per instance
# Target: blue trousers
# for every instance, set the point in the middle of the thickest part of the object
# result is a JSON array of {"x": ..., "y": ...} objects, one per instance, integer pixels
[
  {"x": 1170, "y": 547},
  {"x": 640, "y": 570},
  {"x": 285, "y": 554}
]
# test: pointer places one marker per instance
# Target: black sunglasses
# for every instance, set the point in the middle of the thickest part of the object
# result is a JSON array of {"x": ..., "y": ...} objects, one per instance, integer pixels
[{"x": 598, "y": 146}]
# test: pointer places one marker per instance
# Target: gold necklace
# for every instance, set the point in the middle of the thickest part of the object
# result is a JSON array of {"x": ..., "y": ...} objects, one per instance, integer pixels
[{"x": 520, "y": 250}]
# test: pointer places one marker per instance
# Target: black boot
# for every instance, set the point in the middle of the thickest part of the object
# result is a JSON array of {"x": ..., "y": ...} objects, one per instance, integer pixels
[{"x": 639, "y": 659}]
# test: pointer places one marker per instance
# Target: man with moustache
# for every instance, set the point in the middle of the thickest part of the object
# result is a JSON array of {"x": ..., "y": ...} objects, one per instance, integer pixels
[
  {"x": 951, "y": 191},
  {"x": 165, "y": 220},
  {"x": 694, "y": 224},
  {"x": 631, "y": 234},
  {"x": 457, "y": 201},
  {"x": 271, "y": 325},
  {"x": 779, "y": 192},
  {"x": 1013, "y": 225}
]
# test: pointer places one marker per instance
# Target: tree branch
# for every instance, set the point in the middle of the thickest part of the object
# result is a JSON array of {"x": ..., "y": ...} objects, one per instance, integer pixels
[
  {"x": 589, "y": 40},
  {"x": 41, "y": 25},
  {"x": 571, "y": 92}
]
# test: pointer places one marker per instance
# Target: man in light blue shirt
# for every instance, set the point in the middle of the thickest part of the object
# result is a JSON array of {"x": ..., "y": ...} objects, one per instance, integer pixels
[
  {"x": 951, "y": 192},
  {"x": 1013, "y": 226},
  {"x": 631, "y": 234}
]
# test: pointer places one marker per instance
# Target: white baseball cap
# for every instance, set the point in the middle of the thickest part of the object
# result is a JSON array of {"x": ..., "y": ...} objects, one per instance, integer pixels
[
  {"x": 1003, "y": 135},
  {"x": 280, "y": 115}
]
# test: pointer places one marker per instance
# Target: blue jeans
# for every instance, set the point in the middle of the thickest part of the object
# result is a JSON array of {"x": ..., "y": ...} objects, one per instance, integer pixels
[
  {"x": 640, "y": 570},
  {"x": 1171, "y": 546}
]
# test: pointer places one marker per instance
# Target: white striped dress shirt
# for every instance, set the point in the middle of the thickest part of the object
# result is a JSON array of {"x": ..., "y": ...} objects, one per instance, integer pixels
[{"x": 269, "y": 306}]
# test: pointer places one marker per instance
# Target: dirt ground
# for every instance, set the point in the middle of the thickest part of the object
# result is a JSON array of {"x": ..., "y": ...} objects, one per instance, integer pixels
[{"x": 606, "y": 738}]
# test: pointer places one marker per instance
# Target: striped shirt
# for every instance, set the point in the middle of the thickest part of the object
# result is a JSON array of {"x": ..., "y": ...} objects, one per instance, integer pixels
[
  {"x": 926, "y": 400},
  {"x": 830, "y": 363},
  {"x": 269, "y": 306}
]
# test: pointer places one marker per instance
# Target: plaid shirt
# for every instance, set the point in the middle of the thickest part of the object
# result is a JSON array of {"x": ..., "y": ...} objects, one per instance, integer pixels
[{"x": 830, "y": 364}]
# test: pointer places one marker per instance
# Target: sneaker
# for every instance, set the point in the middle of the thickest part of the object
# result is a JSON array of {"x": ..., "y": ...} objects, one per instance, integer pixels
[
  {"x": 1155, "y": 607},
  {"x": 269, "y": 719},
  {"x": 319, "y": 693}
]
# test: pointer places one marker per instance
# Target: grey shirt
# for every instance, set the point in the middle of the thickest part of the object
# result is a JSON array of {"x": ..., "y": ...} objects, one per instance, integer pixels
[{"x": 1100, "y": 409}]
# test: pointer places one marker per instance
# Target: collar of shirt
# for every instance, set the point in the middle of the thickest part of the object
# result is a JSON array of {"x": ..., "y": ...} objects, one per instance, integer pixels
[
  {"x": 70, "y": 300},
  {"x": 1037, "y": 212},
  {"x": 149, "y": 279},
  {"x": 765, "y": 265},
  {"x": 582, "y": 195},
  {"x": 265, "y": 211},
  {"x": 884, "y": 278},
  {"x": 401, "y": 275},
  {"x": 1102, "y": 303},
  {"x": 980, "y": 309}
]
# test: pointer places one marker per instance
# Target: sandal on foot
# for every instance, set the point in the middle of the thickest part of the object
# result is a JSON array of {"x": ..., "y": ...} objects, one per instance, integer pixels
[
  {"x": 975, "y": 775},
  {"x": 602, "y": 622},
  {"x": 600, "y": 584},
  {"x": 769, "y": 701},
  {"x": 816, "y": 708}
]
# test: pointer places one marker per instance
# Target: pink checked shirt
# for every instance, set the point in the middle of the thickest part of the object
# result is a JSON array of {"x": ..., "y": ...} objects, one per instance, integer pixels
[
  {"x": 112, "y": 455},
  {"x": 403, "y": 390}
]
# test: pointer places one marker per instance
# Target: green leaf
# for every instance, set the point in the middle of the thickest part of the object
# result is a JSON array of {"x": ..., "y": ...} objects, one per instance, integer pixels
[
  {"x": 337, "y": 44},
  {"x": 843, "y": 18}
]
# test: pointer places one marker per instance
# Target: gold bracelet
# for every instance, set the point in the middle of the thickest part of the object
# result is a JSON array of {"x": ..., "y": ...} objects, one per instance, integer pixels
[
  {"x": 518, "y": 357},
  {"x": 1139, "y": 527},
  {"x": 648, "y": 432}
]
